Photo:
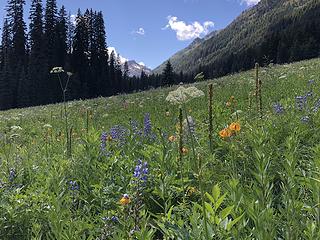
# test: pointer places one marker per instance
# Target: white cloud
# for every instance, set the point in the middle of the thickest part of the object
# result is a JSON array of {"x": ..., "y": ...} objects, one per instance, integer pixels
[
  {"x": 122, "y": 59},
  {"x": 250, "y": 2},
  {"x": 188, "y": 31},
  {"x": 140, "y": 32}
]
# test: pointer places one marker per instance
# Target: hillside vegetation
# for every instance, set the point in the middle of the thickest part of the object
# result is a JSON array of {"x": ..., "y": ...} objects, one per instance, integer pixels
[
  {"x": 275, "y": 31},
  {"x": 126, "y": 175}
]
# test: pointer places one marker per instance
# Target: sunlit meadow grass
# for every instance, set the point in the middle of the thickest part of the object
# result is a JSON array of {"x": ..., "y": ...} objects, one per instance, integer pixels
[{"x": 125, "y": 179}]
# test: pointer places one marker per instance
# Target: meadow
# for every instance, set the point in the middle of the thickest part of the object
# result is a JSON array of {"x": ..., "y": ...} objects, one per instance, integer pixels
[{"x": 138, "y": 167}]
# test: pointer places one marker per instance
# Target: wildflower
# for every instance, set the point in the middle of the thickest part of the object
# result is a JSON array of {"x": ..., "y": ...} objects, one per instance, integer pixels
[
  {"x": 311, "y": 82},
  {"x": 188, "y": 125},
  {"x": 141, "y": 173},
  {"x": 278, "y": 108},
  {"x": 112, "y": 219},
  {"x": 16, "y": 128},
  {"x": 301, "y": 102},
  {"x": 135, "y": 128},
  {"x": 224, "y": 133},
  {"x": 12, "y": 175},
  {"x": 183, "y": 95},
  {"x": 69, "y": 74},
  {"x": 191, "y": 191},
  {"x": 172, "y": 138},
  {"x": 125, "y": 200},
  {"x": 235, "y": 127},
  {"x": 56, "y": 70},
  {"x": 109, "y": 138},
  {"x": 228, "y": 104},
  {"x": 103, "y": 139},
  {"x": 305, "y": 119},
  {"x": 47, "y": 126},
  {"x": 73, "y": 185},
  {"x": 184, "y": 150},
  {"x": 147, "y": 124},
  {"x": 167, "y": 114},
  {"x": 316, "y": 106},
  {"x": 118, "y": 133}
]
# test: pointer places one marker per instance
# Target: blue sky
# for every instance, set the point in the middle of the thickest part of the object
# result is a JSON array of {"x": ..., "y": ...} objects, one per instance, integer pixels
[{"x": 151, "y": 31}]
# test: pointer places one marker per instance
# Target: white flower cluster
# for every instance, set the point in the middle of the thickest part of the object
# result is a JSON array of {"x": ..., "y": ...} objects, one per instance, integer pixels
[
  {"x": 183, "y": 95},
  {"x": 57, "y": 70}
]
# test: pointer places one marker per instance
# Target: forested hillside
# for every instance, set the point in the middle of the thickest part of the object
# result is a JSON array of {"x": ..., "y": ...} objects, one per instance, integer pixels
[{"x": 275, "y": 31}]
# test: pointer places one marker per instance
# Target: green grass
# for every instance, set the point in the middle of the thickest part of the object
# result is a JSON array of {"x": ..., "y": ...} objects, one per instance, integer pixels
[{"x": 262, "y": 183}]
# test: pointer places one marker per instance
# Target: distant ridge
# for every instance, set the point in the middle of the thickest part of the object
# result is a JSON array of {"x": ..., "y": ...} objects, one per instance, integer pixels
[{"x": 275, "y": 31}]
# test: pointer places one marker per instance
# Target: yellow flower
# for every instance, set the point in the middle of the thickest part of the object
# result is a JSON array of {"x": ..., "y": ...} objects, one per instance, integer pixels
[
  {"x": 109, "y": 138},
  {"x": 235, "y": 127},
  {"x": 184, "y": 150},
  {"x": 125, "y": 200},
  {"x": 191, "y": 190},
  {"x": 172, "y": 138},
  {"x": 224, "y": 133}
]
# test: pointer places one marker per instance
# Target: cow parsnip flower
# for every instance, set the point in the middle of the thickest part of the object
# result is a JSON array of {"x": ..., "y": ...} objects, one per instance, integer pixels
[{"x": 183, "y": 95}]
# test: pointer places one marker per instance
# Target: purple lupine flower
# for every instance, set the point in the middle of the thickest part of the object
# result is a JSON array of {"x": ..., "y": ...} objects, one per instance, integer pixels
[
  {"x": 147, "y": 124},
  {"x": 301, "y": 102},
  {"x": 12, "y": 174},
  {"x": 278, "y": 108},
  {"x": 135, "y": 128},
  {"x": 316, "y": 106},
  {"x": 309, "y": 93},
  {"x": 119, "y": 133},
  {"x": 141, "y": 172},
  {"x": 113, "y": 219},
  {"x": 311, "y": 82},
  {"x": 305, "y": 119},
  {"x": 103, "y": 141},
  {"x": 73, "y": 185}
]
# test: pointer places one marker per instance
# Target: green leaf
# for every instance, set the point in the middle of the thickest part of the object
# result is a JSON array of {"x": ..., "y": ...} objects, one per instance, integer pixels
[
  {"x": 209, "y": 208},
  {"x": 225, "y": 212},
  {"x": 220, "y": 201},
  {"x": 233, "y": 222},
  {"x": 170, "y": 212},
  {"x": 216, "y": 192}
]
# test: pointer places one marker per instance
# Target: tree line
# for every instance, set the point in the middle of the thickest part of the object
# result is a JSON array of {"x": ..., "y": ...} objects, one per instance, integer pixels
[{"x": 55, "y": 39}]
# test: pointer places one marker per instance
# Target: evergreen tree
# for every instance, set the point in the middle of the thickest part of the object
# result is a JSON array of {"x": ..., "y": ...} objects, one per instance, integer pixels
[
  {"x": 125, "y": 78},
  {"x": 102, "y": 54},
  {"x": 168, "y": 75},
  {"x": 37, "y": 73},
  {"x": 70, "y": 33},
  {"x": 23, "y": 99},
  {"x": 17, "y": 58},
  {"x": 51, "y": 61},
  {"x": 79, "y": 58},
  {"x": 118, "y": 74},
  {"x": 5, "y": 71},
  {"x": 112, "y": 63}
]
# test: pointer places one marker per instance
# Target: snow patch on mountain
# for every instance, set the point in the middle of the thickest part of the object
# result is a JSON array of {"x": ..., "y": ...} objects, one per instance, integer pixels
[{"x": 135, "y": 68}]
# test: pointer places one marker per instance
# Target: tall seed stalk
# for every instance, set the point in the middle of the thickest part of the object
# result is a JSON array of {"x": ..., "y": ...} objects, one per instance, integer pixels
[
  {"x": 210, "y": 86},
  {"x": 180, "y": 139},
  {"x": 58, "y": 70},
  {"x": 258, "y": 91},
  {"x": 257, "y": 86}
]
